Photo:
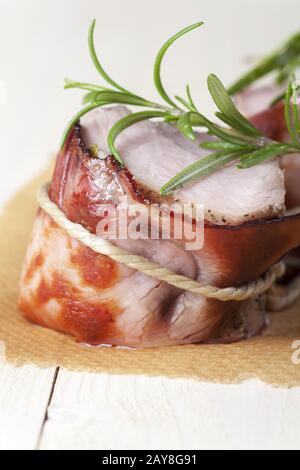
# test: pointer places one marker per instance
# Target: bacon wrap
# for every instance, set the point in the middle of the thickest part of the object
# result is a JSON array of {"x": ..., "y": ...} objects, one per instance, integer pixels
[{"x": 67, "y": 287}]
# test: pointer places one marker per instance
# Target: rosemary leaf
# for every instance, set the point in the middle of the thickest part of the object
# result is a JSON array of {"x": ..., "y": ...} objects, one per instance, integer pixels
[
  {"x": 126, "y": 122},
  {"x": 83, "y": 86},
  {"x": 198, "y": 120},
  {"x": 263, "y": 154},
  {"x": 235, "y": 129},
  {"x": 185, "y": 127},
  {"x": 171, "y": 118},
  {"x": 227, "y": 135},
  {"x": 158, "y": 61},
  {"x": 185, "y": 103},
  {"x": 228, "y": 110},
  {"x": 220, "y": 145},
  {"x": 190, "y": 99},
  {"x": 89, "y": 97},
  {"x": 96, "y": 62},
  {"x": 117, "y": 97},
  {"x": 199, "y": 169}
]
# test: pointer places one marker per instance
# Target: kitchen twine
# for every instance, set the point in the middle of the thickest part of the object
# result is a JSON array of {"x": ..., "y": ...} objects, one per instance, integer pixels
[{"x": 105, "y": 247}]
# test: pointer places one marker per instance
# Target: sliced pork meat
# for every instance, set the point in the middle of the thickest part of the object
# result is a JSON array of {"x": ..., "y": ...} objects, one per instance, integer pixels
[
  {"x": 291, "y": 166},
  {"x": 271, "y": 121},
  {"x": 154, "y": 153},
  {"x": 68, "y": 287}
]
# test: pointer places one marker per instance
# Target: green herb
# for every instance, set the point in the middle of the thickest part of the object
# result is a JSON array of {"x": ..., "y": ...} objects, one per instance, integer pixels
[
  {"x": 284, "y": 60},
  {"x": 229, "y": 113},
  {"x": 97, "y": 63},
  {"x": 126, "y": 122},
  {"x": 74, "y": 121},
  {"x": 158, "y": 61},
  {"x": 94, "y": 150},
  {"x": 185, "y": 126},
  {"x": 241, "y": 142},
  {"x": 83, "y": 86},
  {"x": 190, "y": 99},
  {"x": 292, "y": 111},
  {"x": 263, "y": 154},
  {"x": 201, "y": 168}
]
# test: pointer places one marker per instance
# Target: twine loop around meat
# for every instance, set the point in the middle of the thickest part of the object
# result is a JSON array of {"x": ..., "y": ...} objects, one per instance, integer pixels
[{"x": 139, "y": 263}]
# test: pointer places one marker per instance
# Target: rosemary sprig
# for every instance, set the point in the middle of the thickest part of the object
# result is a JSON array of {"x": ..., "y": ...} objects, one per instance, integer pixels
[
  {"x": 241, "y": 142},
  {"x": 247, "y": 153},
  {"x": 98, "y": 96},
  {"x": 96, "y": 62},
  {"x": 284, "y": 60},
  {"x": 159, "y": 58}
]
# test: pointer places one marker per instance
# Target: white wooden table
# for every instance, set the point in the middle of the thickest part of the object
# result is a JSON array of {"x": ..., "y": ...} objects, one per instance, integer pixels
[{"x": 59, "y": 409}]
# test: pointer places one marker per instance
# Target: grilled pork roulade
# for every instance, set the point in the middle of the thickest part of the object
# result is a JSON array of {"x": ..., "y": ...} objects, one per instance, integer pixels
[{"x": 68, "y": 287}]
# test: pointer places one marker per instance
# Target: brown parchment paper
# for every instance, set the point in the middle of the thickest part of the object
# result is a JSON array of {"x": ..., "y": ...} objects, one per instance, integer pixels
[{"x": 268, "y": 357}]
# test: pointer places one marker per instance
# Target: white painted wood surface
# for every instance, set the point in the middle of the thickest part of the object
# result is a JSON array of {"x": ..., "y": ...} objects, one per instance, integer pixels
[
  {"x": 24, "y": 395},
  {"x": 99, "y": 411},
  {"x": 42, "y": 409},
  {"x": 95, "y": 411}
]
